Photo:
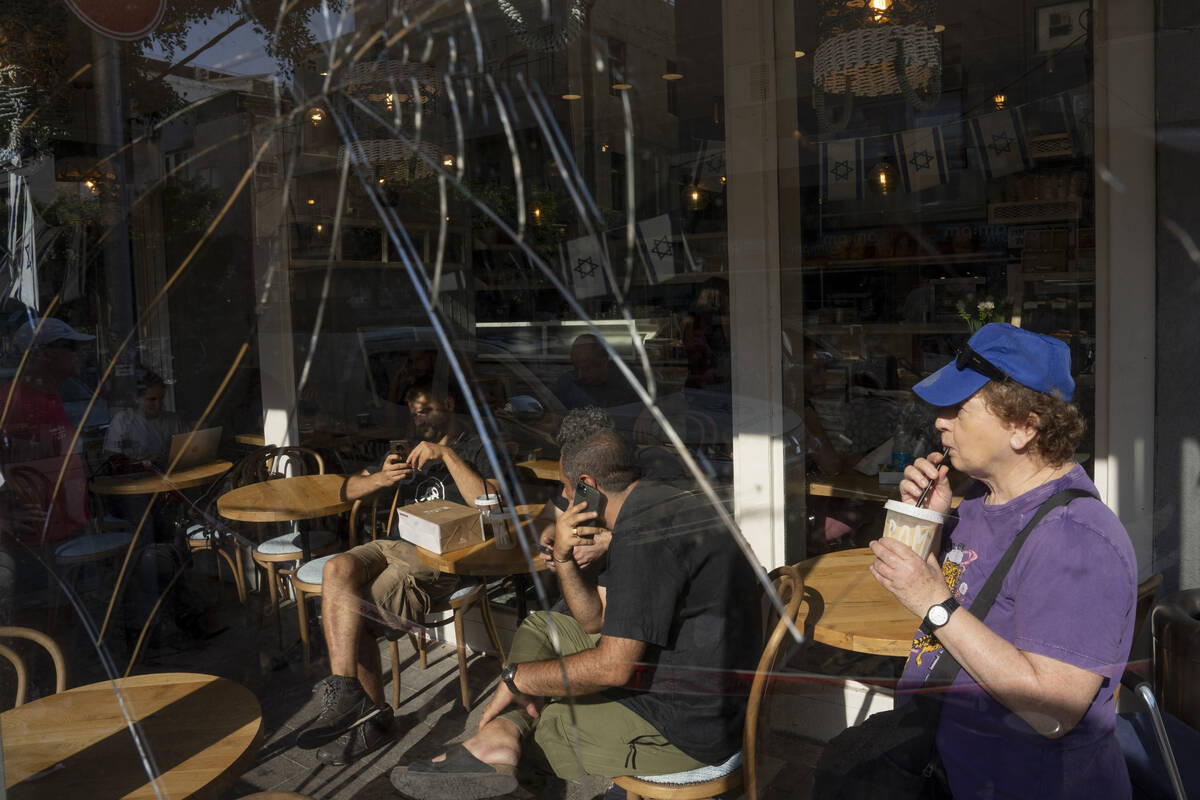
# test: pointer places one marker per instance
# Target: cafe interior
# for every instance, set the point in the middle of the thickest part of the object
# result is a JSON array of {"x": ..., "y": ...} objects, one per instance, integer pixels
[{"x": 745, "y": 230}]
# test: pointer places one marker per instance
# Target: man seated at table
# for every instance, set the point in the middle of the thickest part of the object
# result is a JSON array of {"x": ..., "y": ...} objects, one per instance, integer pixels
[
  {"x": 642, "y": 687},
  {"x": 448, "y": 462}
]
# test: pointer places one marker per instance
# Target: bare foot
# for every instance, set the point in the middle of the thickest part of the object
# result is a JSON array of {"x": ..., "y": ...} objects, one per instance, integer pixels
[{"x": 498, "y": 743}]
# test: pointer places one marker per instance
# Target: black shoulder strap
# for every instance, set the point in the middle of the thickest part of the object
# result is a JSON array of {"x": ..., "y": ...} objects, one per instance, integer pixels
[{"x": 947, "y": 666}]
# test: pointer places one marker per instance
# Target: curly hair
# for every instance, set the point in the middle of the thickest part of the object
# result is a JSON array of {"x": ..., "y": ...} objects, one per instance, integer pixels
[
  {"x": 580, "y": 423},
  {"x": 1058, "y": 424},
  {"x": 591, "y": 444}
]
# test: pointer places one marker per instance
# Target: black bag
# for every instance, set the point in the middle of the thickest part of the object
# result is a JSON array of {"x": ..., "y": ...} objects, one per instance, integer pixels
[{"x": 894, "y": 753}]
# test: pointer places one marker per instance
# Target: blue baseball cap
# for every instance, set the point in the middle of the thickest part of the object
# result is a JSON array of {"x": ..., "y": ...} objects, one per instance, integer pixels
[{"x": 998, "y": 351}]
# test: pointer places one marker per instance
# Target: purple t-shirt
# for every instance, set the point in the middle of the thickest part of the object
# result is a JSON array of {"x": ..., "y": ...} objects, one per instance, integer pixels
[{"x": 1070, "y": 595}]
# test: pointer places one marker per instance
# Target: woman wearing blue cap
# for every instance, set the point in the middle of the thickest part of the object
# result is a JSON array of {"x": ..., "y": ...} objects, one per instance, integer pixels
[{"x": 1031, "y": 711}]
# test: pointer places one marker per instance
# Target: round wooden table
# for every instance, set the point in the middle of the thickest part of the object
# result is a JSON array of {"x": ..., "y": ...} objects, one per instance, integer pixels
[
  {"x": 202, "y": 732},
  {"x": 845, "y": 606},
  {"x": 153, "y": 484},
  {"x": 285, "y": 499}
]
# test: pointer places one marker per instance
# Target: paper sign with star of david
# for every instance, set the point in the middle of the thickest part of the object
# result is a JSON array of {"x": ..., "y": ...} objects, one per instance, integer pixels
[
  {"x": 1000, "y": 142},
  {"x": 660, "y": 248},
  {"x": 922, "y": 158},
  {"x": 585, "y": 267}
]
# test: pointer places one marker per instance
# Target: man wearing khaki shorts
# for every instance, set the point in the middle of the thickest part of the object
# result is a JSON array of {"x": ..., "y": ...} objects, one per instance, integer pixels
[{"x": 384, "y": 581}]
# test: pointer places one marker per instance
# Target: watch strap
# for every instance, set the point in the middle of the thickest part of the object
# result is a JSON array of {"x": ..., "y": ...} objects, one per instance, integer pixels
[
  {"x": 950, "y": 604},
  {"x": 509, "y": 676}
]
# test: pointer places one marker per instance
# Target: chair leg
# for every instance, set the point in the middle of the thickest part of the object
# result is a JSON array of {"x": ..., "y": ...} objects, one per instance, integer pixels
[
  {"x": 273, "y": 588},
  {"x": 485, "y": 609},
  {"x": 238, "y": 579},
  {"x": 395, "y": 647},
  {"x": 421, "y": 647},
  {"x": 461, "y": 647},
  {"x": 302, "y": 614},
  {"x": 239, "y": 574}
]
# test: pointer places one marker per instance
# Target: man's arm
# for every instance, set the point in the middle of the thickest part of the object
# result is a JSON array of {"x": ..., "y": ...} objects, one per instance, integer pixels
[
  {"x": 585, "y": 599},
  {"x": 609, "y": 664},
  {"x": 470, "y": 484},
  {"x": 366, "y": 483}
]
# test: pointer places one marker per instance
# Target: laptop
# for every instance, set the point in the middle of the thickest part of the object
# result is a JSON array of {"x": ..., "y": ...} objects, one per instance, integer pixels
[{"x": 194, "y": 449}]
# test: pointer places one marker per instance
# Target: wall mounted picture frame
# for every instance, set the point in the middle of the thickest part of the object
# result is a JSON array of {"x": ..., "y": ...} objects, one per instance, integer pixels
[{"x": 1061, "y": 25}]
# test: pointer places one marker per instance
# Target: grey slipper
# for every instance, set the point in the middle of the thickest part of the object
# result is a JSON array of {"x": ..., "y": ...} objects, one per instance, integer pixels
[{"x": 461, "y": 776}]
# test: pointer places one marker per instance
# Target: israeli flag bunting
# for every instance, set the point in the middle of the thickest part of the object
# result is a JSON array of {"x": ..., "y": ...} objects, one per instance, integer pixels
[
  {"x": 660, "y": 249},
  {"x": 585, "y": 265},
  {"x": 22, "y": 243},
  {"x": 841, "y": 169},
  {"x": 922, "y": 156},
  {"x": 1000, "y": 142}
]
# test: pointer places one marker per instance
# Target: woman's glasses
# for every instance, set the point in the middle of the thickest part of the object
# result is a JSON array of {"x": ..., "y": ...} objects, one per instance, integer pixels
[{"x": 969, "y": 358}]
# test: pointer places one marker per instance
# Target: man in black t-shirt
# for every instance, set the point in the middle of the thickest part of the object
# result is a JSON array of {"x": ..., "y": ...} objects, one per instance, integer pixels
[
  {"x": 648, "y": 656},
  {"x": 385, "y": 578}
]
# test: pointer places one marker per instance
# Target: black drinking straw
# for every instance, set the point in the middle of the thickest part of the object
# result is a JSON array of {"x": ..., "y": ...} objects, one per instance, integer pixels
[{"x": 925, "y": 492}]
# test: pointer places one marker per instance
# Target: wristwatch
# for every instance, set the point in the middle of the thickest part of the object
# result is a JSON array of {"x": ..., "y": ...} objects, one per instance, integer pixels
[
  {"x": 509, "y": 675},
  {"x": 939, "y": 614}
]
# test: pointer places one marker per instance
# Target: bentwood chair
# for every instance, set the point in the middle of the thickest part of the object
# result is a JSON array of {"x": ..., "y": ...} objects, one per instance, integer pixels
[
  {"x": 307, "y": 578},
  {"x": 470, "y": 591},
  {"x": 269, "y": 554},
  {"x": 56, "y": 655},
  {"x": 739, "y": 769}
]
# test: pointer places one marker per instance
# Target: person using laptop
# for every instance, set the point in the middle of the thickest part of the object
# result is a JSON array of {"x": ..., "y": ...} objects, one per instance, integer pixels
[{"x": 140, "y": 437}]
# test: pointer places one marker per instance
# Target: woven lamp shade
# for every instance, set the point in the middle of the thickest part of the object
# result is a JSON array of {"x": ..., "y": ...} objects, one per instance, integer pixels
[
  {"x": 867, "y": 62},
  {"x": 877, "y": 48}
]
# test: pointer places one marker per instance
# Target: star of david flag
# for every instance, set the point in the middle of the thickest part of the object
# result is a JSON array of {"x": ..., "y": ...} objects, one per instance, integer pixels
[
  {"x": 1000, "y": 141},
  {"x": 841, "y": 170},
  {"x": 660, "y": 248},
  {"x": 22, "y": 243},
  {"x": 585, "y": 266},
  {"x": 922, "y": 157}
]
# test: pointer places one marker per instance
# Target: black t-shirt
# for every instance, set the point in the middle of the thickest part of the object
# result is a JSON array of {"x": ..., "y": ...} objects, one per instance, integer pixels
[
  {"x": 677, "y": 581},
  {"x": 435, "y": 483}
]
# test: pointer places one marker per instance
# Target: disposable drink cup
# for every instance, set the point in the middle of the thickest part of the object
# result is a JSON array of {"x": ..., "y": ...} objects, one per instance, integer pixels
[{"x": 916, "y": 527}]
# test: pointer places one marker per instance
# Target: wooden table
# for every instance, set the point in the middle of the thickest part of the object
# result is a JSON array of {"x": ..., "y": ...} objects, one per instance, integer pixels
[
  {"x": 286, "y": 500},
  {"x": 845, "y": 606},
  {"x": 545, "y": 468},
  {"x": 153, "y": 484},
  {"x": 202, "y": 732},
  {"x": 851, "y": 485},
  {"x": 484, "y": 560}
]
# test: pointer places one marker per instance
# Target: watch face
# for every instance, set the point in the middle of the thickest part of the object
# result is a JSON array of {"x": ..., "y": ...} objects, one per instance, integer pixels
[{"x": 939, "y": 616}]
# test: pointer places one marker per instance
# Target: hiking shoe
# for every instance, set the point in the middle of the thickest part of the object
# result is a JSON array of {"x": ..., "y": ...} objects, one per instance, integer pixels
[
  {"x": 360, "y": 740},
  {"x": 344, "y": 706}
]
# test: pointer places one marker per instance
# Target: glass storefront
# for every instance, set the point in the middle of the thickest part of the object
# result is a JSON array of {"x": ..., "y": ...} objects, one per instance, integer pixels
[{"x": 248, "y": 243}]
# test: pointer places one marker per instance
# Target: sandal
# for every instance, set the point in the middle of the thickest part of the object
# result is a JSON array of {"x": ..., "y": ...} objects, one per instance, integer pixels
[{"x": 461, "y": 776}]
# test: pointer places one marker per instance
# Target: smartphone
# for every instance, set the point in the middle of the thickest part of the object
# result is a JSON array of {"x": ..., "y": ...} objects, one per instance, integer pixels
[
  {"x": 595, "y": 502},
  {"x": 398, "y": 447}
]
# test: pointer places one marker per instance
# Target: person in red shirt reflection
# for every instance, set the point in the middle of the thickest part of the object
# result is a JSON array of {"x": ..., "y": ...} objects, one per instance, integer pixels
[{"x": 37, "y": 434}]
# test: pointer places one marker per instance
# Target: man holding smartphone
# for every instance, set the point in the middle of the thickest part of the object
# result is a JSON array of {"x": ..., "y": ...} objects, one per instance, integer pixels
[
  {"x": 634, "y": 681},
  {"x": 448, "y": 462}
]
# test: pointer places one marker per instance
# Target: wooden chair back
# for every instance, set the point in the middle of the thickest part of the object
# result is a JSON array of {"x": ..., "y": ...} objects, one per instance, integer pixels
[
  {"x": 366, "y": 521},
  {"x": 1145, "y": 600},
  {"x": 254, "y": 467},
  {"x": 56, "y": 655},
  {"x": 789, "y": 587},
  {"x": 294, "y": 460}
]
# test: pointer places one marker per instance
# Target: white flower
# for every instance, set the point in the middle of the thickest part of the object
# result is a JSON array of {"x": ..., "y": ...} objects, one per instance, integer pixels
[{"x": 987, "y": 306}]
